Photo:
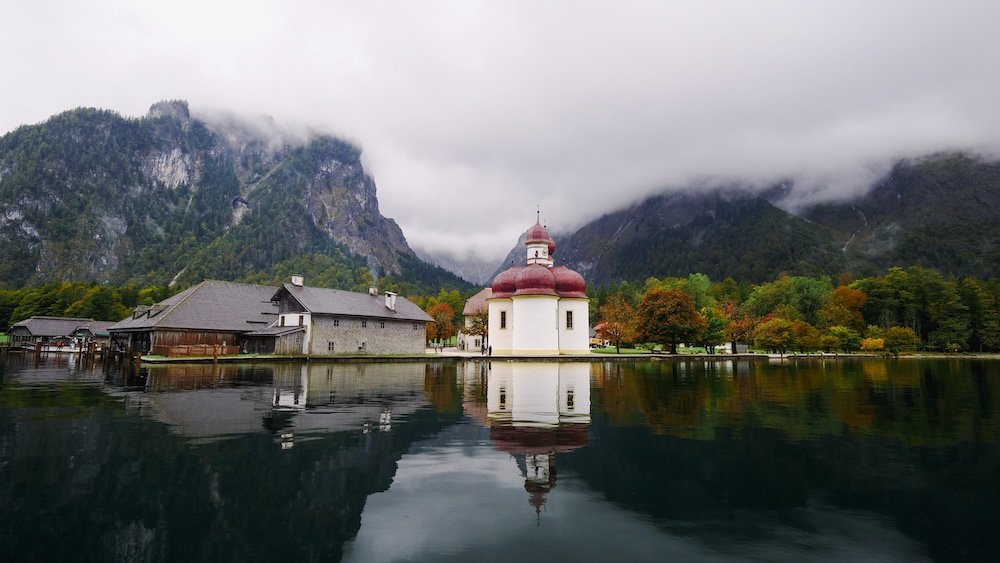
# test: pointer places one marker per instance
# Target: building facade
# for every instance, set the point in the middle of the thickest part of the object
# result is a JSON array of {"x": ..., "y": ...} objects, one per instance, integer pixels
[
  {"x": 346, "y": 322},
  {"x": 539, "y": 308}
]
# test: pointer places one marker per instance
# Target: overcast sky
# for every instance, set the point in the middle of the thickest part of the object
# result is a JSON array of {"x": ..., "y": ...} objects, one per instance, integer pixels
[{"x": 471, "y": 113}]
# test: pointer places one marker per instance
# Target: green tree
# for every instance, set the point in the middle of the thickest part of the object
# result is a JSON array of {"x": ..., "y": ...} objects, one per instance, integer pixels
[
  {"x": 848, "y": 340},
  {"x": 901, "y": 339},
  {"x": 698, "y": 287},
  {"x": 715, "y": 329}
]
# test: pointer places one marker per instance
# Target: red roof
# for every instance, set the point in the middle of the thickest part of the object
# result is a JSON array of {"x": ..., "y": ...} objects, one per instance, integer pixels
[
  {"x": 535, "y": 279},
  {"x": 504, "y": 284},
  {"x": 569, "y": 283},
  {"x": 538, "y": 234}
]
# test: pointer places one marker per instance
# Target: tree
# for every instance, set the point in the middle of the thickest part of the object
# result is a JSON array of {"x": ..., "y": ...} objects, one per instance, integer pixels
[
  {"x": 873, "y": 345},
  {"x": 805, "y": 337},
  {"x": 773, "y": 334},
  {"x": 669, "y": 317},
  {"x": 480, "y": 324},
  {"x": 984, "y": 318},
  {"x": 844, "y": 308},
  {"x": 698, "y": 287},
  {"x": 739, "y": 323},
  {"x": 443, "y": 326},
  {"x": 848, "y": 339},
  {"x": 901, "y": 339},
  {"x": 715, "y": 329},
  {"x": 619, "y": 321}
]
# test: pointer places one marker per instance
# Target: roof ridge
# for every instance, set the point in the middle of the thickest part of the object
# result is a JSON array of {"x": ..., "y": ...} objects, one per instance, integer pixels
[
  {"x": 240, "y": 283},
  {"x": 171, "y": 309}
]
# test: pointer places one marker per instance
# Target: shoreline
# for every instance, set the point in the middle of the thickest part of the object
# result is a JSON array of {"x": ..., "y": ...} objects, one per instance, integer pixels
[{"x": 455, "y": 356}]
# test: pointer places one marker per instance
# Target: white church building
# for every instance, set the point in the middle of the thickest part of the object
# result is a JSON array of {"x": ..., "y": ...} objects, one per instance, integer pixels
[{"x": 539, "y": 309}]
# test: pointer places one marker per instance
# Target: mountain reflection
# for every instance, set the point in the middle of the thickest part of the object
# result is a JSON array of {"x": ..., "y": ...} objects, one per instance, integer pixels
[{"x": 863, "y": 460}]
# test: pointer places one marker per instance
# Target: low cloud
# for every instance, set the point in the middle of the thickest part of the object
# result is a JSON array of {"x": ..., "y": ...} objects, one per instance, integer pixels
[{"x": 472, "y": 114}]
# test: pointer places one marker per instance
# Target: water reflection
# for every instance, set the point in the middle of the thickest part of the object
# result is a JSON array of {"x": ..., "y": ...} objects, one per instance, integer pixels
[
  {"x": 887, "y": 460},
  {"x": 535, "y": 411}
]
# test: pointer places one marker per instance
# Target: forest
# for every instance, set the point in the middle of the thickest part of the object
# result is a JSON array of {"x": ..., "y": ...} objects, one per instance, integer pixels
[{"x": 904, "y": 309}]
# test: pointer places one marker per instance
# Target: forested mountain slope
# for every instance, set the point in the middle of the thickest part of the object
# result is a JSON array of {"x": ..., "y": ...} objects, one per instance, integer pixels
[
  {"x": 938, "y": 212},
  {"x": 91, "y": 196}
]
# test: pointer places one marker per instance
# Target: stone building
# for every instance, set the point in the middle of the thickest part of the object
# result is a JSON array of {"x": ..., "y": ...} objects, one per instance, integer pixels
[{"x": 345, "y": 322}]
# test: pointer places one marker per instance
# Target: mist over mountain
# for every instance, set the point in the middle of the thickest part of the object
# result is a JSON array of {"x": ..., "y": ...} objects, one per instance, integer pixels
[
  {"x": 91, "y": 196},
  {"x": 938, "y": 212}
]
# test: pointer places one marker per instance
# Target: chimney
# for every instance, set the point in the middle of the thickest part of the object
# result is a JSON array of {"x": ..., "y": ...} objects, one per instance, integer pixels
[
  {"x": 373, "y": 291},
  {"x": 297, "y": 280},
  {"x": 390, "y": 301}
]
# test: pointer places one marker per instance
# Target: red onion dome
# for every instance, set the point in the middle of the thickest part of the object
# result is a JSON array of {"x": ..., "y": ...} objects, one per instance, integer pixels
[
  {"x": 505, "y": 284},
  {"x": 568, "y": 282},
  {"x": 535, "y": 280},
  {"x": 538, "y": 234}
]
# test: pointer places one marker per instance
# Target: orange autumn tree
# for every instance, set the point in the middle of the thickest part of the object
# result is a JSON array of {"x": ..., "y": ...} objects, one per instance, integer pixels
[
  {"x": 669, "y": 317},
  {"x": 619, "y": 321},
  {"x": 739, "y": 323},
  {"x": 843, "y": 308},
  {"x": 443, "y": 326}
]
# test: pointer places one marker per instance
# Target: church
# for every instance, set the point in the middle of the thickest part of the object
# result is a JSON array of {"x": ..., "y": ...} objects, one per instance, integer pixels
[{"x": 539, "y": 309}]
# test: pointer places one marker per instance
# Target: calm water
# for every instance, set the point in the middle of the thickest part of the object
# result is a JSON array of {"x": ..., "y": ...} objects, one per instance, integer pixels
[{"x": 689, "y": 461}]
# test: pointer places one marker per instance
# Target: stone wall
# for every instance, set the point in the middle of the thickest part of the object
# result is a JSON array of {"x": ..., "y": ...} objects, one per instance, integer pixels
[{"x": 366, "y": 336}]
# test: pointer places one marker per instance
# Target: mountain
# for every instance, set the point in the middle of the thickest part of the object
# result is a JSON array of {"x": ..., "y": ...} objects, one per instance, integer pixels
[
  {"x": 92, "y": 196},
  {"x": 720, "y": 233},
  {"x": 937, "y": 212}
]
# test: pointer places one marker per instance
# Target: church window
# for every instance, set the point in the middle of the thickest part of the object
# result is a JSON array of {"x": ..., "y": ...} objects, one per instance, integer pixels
[
  {"x": 569, "y": 319},
  {"x": 503, "y": 319},
  {"x": 364, "y": 324}
]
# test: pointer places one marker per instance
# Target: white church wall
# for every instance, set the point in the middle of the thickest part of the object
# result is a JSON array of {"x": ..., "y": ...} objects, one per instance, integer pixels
[
  {"x": 574, "y": 340},
  {"x": 537, "y": 332},
  {"x": 501, "y": 339}
]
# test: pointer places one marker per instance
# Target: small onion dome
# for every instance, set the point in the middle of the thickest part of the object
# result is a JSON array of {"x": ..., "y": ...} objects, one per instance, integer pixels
[
  {"x": 538, "y": 234},
  {"x": 504, "y": 285},
  {"x": 535, "y": 280},
  {"x": 569, "y": 283}
]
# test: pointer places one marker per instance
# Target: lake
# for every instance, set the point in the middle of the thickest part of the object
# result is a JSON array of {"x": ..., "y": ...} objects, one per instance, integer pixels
[{"x": 888, "y": 460}]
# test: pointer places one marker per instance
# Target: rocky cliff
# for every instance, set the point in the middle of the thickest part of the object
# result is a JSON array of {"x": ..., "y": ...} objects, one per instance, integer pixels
[{"x": 90, "y": 195}]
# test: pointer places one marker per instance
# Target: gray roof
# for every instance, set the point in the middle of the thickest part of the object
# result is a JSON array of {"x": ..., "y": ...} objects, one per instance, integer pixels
[
  {"x": 477, "y": 301},
  {"x": 276, "y": 331},
  {"x": 323, "y": 301},
  {"x": 52, "y": 326},
  {"x": 210, "y": 305},
  {"x": 97, "y": 328}
]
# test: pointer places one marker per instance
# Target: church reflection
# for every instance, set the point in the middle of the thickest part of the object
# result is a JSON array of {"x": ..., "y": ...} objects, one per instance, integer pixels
[{"x": 536, "y": 411}]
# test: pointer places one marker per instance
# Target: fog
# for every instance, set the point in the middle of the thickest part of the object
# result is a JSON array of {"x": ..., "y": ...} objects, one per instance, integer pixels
[{"x": 471, "y": 114}]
